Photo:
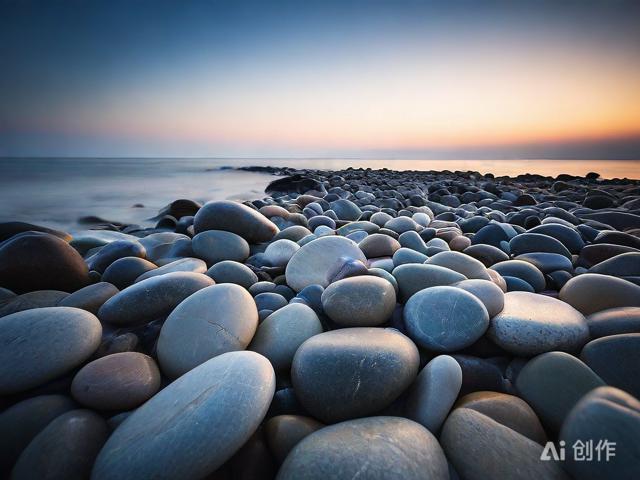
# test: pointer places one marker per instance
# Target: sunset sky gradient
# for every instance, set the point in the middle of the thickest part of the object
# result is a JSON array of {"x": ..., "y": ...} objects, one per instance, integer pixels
[{"x": 404, "y": 79}]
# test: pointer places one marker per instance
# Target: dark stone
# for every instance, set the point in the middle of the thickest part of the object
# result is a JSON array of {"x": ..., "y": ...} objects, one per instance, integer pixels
[
  {"x": 23, "y": 421},
  {"x": 114, "y": 251},
  {"x": 65, "y": 449},
  {"x": 123, "y": 272},
  {"x": 39, "y": 261},
  {"x": 616, "y": 359},
  {"x": 604, "y": 414},
  {"x": 236, "y": 218}
]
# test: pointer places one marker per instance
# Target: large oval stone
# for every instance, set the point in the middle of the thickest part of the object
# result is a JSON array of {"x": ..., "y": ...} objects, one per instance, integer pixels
[
  {"x": 194, "y": 425},
  {"x": 353, "y": 372},
  {"x": 281, "y": 333},
  {"x": 40, "y": 261},
  {"x": 217, "y": 319},
  {"x": 320, "y": 261},
  {"x": 530, "y": 324},
  {"x": 121, "y": 381},
  {"x": 152, "y": 298},
  {"x": 609, "y": 415},
  {"x": 481, "y": 448},
  {"x": 236, "y": 218},
  {"x": 552, "y": 383},
  {"x": 374, "y": 448},
  {"x": 65, "y": 449},
  {"x": 362, "y": 301},
  {"x": 445, "y": 319},
  {"x": 41, "y": 344},
  {"x": 592, "y": 292}
]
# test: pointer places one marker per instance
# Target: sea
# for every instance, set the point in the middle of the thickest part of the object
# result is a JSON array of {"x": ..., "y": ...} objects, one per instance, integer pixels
[{"x": 57, "y": 192}]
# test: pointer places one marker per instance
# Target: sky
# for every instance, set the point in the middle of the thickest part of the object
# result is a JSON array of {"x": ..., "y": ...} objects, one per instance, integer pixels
[{"x": 373, "y": 79}]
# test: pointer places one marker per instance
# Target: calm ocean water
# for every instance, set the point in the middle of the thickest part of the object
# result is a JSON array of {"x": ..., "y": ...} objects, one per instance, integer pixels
[{"x": 57, "y": 191}]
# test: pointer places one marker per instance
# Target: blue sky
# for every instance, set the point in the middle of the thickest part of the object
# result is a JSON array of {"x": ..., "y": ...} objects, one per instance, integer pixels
[{"x": 403, "y": 79}]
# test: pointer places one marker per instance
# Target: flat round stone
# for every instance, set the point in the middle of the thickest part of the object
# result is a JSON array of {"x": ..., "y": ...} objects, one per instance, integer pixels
[
  {"x": 445, "y": 319},
  {"x": 530, "y": 324},
  {"x": 362, "y": 301}
]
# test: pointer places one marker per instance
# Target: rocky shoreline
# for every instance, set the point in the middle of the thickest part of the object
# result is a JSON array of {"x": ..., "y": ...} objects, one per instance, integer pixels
[{"x": 351, "y": 324}]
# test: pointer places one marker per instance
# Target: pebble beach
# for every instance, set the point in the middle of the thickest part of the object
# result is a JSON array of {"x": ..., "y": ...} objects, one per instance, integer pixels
[{"x": 349, "y": 324}]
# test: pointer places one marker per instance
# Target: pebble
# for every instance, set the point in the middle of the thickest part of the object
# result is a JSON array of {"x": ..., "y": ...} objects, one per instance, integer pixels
[
  {"x": 552, "y": 383},
  {"x": 434, "y": 392},
  {"x": 283, "y": 432},
  {"x": 194, "y": 425},
  {"x": 379, "y": 245},
  {"x": 236, "y": 218},
  {"x": 353, "y": 372},
  {"x": 362, "y": 301},
  {"x": 280, "y": 252},
  {"x": 373, "y": 448},
  {"x": 487, "y": 292},
  {"x": 21, "y": 422},
  {"x": 320, "y": 262},
  {"x": 530, "y": 324},
  {"x": 616, "y": 359},
  {"x": 66, "y": 448},
  {"x": 152, "y": 298},
  {"x": 188, "y": 264},
  {"x": 31, "y": 300},
  {"x": 415, "y": 277},
  {"x": 445, "y": 319},
  {"x": 215, "y": 320},
  {"x": 90, "y": 298},
  {"x": 592, "y": 292},
  {"x": 614, "y": 321},
  {"x": 461, "y": 263},
  {"x": 125, "y": 271},
  {"x": 121, "y": 381},
  {"x": 280, "y": 334},
  {"x": 229, "y": 271},
  {"x": 507, "y": 410},
  {"x": 480, "y": 448},
  {"x": 605, "y": 413},
  {"x": 525, "y": 271},
  {"x": 113, "y": 251},
  {"x": 40, "y": 261},
  {"x": 42, "y": 344},
  {"x": 213, "y": 246}
]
